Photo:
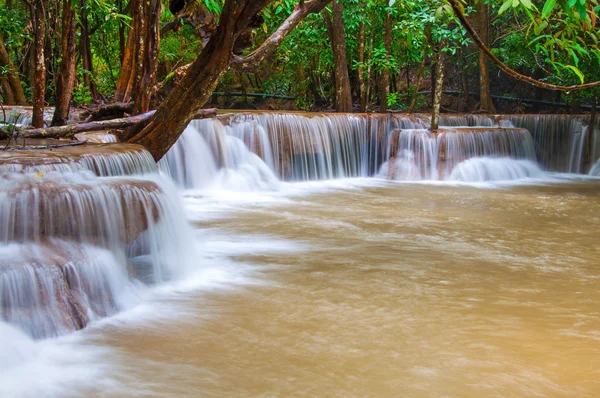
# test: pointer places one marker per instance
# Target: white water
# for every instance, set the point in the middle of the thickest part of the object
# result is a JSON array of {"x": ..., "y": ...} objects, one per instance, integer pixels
[
  {"x": 207, "y": 157},
  {"x": 495, "y": 169}
]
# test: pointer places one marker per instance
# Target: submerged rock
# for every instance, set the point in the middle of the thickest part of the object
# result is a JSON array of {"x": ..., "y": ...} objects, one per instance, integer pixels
[{"x": 53, "y": 287}]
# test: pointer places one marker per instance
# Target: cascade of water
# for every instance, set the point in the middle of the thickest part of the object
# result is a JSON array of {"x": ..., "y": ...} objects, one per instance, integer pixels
[
  {"x": 102, "y": 159},
  {"x": 467, "y": 120},
  {"x": 483, "y": 169},
  {"x": 23, "y": 117},
  {"x": 210, "y": 155},
  {"x": 595, "y": 170},
  {"x": 421, "y": 155},
  {"x": 301, "y": 146},
  {"x": 559, "y": 140},
  {"x": 51, "y": 288},
  {"x": 70, "y": 241}
]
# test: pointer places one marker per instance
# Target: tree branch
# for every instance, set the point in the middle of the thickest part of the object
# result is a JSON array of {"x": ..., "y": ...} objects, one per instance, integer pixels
[
  {"x": 251, "y": 62},
  {"x": 71, "y": 129},
  {"x": 501, "y": 65}
]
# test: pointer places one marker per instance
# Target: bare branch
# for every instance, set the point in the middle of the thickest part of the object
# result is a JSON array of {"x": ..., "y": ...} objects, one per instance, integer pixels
[{"x": 250, "y": 62}]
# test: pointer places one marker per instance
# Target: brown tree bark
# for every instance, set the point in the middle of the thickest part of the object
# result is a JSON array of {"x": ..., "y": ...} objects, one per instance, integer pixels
[
  {"x": 66, "y": 78},
  {"x": 196, "y": 87},
  {"x": 11, "y": 82},
  {"x": 140, "y": 60},
  {"x": 486, "y": 103},
  {"x": 38, "y": 20},
  {"x": 439, "y": 86},
  {"x": 421, "y": 76},
  {"x": 360, "y": 70},
  {"x": 337, "y": 34},
  {"x": 86, "y": 51},
  {"x": 385, "y": 78}
]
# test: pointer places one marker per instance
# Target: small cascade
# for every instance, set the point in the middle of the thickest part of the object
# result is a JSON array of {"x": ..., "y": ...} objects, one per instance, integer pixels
[
  {"x": 97, "y": 137},
  {"x": 102, "y": 159},
  {"x": 53, "y": 287},
  {"x": 468, "y": 120},
  {"x": 210, "y": 155},
  {"x": 23, "y": 116},
  {"x": 323, "y": 146},
  {"x": 423, "y": 155},
  {"x": 559, "y": 140},
  {"x": 595, "y": 170},
  {"x": 70, "y": 243},
  {"x": 482, "y": 169}
]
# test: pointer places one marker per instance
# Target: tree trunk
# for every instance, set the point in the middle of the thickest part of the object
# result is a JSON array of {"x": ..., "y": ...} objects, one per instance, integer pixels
[
  {"x": 140, "y": 60},
  {"x": 66, "y": 78},
  {"x": 343, "y": 92},
  {"x": 421, "y": 75},
  {"x": 12, "y": 81},
  {"x": 196, "y": 87},
  {"x": 385, "y": 79},
  {"x": 439, "y": 86},
  {"x": 360, "y": 70},
  {"x": 198, "y": 84},
  {"x": 86, "y": 52},
  {"x": 486, "y": 103},
  {"x": 38, "y": 19}
]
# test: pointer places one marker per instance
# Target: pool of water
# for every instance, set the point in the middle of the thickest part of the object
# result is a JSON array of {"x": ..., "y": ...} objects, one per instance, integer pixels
[{"x": 356, "y": 288}]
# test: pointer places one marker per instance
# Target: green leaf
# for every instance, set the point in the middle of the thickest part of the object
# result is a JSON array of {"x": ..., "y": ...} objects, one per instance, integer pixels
[
  {"x": 539, "y": 28},
  {"x": 548, "y": 7},
  {"x": 577, "y": 72},
  {"x": 527, "y": 4},
  {"x": 505, "y": 5}
]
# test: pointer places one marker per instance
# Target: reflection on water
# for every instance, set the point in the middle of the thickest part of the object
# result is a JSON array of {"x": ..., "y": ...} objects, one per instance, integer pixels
[{"x": 382, "y": 290}]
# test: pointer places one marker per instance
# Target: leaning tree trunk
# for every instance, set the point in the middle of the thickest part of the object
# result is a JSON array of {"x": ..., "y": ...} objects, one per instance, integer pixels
[
  {"x": 385, "y": 78},
  {"x": 343, "y": 92},
  {"x": 439, "y": 86},
  {"x": 203, "y": 75},
  {"x": 38, "y": 19},
  {"x": 485, "y": 96},
  {"x": 11, "y": 84},
  {"x": 194, "y": 90},
  {"x": 66, "y": 78},
  {"x": 140, "y": 60}
]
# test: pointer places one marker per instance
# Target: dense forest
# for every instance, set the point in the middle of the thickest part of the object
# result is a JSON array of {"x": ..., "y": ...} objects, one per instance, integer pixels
[{"x": 129, "y": 57}]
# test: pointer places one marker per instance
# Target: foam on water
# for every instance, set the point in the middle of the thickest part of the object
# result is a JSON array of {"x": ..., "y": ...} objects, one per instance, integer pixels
[
  {"x": 50, "y": 368},
  {"x": 207, "y": 158},
  {"x": 495, "y": 169}
]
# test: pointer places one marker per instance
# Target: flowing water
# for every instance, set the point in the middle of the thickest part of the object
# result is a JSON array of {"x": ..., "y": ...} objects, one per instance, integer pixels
[{"x": 478, "y": 279}]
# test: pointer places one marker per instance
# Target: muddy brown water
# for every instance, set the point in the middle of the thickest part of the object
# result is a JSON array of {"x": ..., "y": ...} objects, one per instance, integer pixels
[{"x": 386, "y": 290}]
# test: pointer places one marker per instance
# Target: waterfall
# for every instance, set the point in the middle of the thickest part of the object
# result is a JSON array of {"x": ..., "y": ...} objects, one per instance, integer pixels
[
  {"x": 71, "y": 243},
  {"x": 423, "y": 155},
  {"x": 318, "y": 146},
  {"x": 102, "y": 159},
  {"x": 287, "y": 146},
  {"x": 595, "y": 170},
  {"x": 210, "y": 155},
  {"x": 495, "y": 169}
]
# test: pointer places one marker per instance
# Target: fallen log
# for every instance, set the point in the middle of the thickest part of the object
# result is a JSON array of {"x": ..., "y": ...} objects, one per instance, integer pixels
[{"x": 69, "y": 130}]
